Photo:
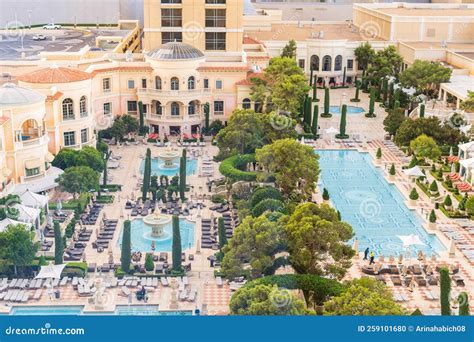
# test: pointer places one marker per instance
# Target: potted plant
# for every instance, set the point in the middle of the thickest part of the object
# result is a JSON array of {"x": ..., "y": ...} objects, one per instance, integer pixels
[
  {"x": 392, "y": 172},
  {"x": 432, "y": 219},
  {"x": 448, "y": 203},
  {"x": 434, "y": 188},
  {"x": 325, "y": 195},
  {"x": 462, "y": 204},
  {"x": 378, "y": 155},
  {"x": 413, "y": 196},
  {"x": 149, "y": 264}
]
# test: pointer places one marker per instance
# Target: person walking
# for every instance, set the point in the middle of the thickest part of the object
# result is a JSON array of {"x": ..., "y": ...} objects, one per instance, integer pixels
[
  {"x": 366, "y": 253},
  {"x": 372, "y": 257}
]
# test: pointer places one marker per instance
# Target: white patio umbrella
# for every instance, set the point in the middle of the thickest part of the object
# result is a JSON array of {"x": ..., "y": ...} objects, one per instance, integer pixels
[
  {"x": 414, "y": 172},
  {"x": 411, "y": 240},
  {"x": 50, "y": 271},
  {"x": 355, "y": 246},
  {"x": 451, "y": 151},
  {"x": 453, "y": 168}
]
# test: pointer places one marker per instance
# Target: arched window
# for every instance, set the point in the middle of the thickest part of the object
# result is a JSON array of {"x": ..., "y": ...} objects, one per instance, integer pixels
[
  {"x": 327, "y": 61},
  {"x": 315, "y": 62},
  {"x": 174, "y": 83},
  {"x": 83, "y": 107},
  {"x": 246, "y": 104},
  {"x": 158, "y": 108},
  {"x": 191, "y": 83},
  {"x": 158, "y": 82},
  {"x": 68, "y": 109},
  {"x": 338, "y": 63},
  {"x": 191, "y": 108},
  {"x": 175, "y": 108}
]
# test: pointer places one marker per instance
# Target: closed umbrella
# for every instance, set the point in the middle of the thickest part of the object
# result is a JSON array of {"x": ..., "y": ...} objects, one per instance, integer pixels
[
  {"x": 355, "y": 246},
  {"x": 452, "y": 249}
]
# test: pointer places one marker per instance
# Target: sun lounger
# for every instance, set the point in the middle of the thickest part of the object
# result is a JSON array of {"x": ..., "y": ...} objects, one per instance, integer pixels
[
  {"x": 12, "y": 283},
  {"x": 113, "y": 282},
  {"x": 154, "y": 282},
  {"x": 55, "y": 283},
  {"x": 2, "y": 295},
  {"x": 183, "y": 295},
  {"x": 8, "y": 295},
  {"x": 219, "y": 281},
  {"x": 25, "y": 297},
  {"x": 192, "y": 295},
  {"x": 396, "y": 280},
  {"x": 125, "y": 291},
  {"x": 38, "y": 294},
  {"x": 164, "y": 281},
  {"x": 121, "y": 282},
  {"x": 185, "y": 281},
  {"x": 14, "y": 295}
]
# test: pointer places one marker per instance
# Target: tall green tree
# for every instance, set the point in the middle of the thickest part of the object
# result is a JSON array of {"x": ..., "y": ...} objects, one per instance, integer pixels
[
  {"x": 146, "y": 175},
  {"x": 126, "y": 249},
  {"x": 17, "y": 246},
  {"x": 58, "y": 244},
  {"x": 371, "y": 113},
  {"x": 315, "y": 235},
  {"x": 422, "y": 111},
  {"x": 206, "y": 117},
  {"x": 141, "y": 127},
  {"x": 255, "y": 241},
  {"x": 445, "y": 289},
  {"x": 182, "y": 176},
  {"x": 314, "y": 123},
  {"x": 356, "y": 97},
  {"x": 222, "y": 233},
  {"x": 385, "y": 63},
  {"x": 425, "y": 76},
  {"x": 468, "y": 103},
  {"x": 78, "y": 179},
  {"x": 342, "y": 127},
  {"x": 295, "y": 167},
  {"x": 176, "y": 247},
  {"x": 326, "y": 103},
  {"x": 425, "y": 147},
  {"x": 289, "y": 50},
  {"x": 364, "y": 297},
  {"x": 364, "y": 54},
  {"x": 103, "y": 148}
]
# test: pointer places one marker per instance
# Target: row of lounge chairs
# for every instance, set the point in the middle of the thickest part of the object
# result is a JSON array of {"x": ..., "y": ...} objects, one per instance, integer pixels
[
  {"x": 20, "y": 296},
  {"x": 208, "y": 234},
  {"x": 91, "y": 217},
  {"x": 106, "y": 234}
]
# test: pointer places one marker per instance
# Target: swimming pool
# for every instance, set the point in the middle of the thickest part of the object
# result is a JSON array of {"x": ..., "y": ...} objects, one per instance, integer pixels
[
  {"x": 148, "y": 310},
  {"x": 46, "y": 310},
  {"x": 158, "y": 169},
  {"x": 142, "y": 239},
  {"x": 350, "y": 110},
  {"x": 374, "y": 207}
]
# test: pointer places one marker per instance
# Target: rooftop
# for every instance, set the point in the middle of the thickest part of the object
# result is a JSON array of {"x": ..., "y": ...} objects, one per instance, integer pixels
[
  {"x": 55, "y": 75},
  {"x": 175, "y": 51},
  {"x": 285, "y": 32},
  {"x": 12, "y": 95},
  {"x": 428, "y": 12}
]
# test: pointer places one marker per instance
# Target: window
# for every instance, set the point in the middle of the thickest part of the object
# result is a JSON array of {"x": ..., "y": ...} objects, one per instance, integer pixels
[
  {"x": 191, "y": 108},
  {"x": 191, "y": 83},
  {"x": 175, "y": 108},
  {"x": 215, "y": 41},
  {"x": 171, "y": 17},
  {"x": 68, "y": 109},
  {"x": 84, "y": 136},
  {"x": 32, "y": 172},
  {"x": 217, "y": 2},
  {"x": 158, "y": 82},
  {"x": 327, "y": 63},
  {"x": 246, "y": 104},
  {"x": 206, "y": 83},
  {"x": 218, "y": 107},
  {"x": 301, "y": 63},
  {"x": 69, "y": 138},
  {"x": 338, "y": 63},
  {"x": 132, "y": 106},
  {"x": 158, "y": 108},
  {"x": 83, "y": 107},
  {"x": 350, "y": 64},
  {"x": 106, "y": 85},
  {"x": 218, "y": 84},
  {"x": 174, "y": 83},
  {"x": 107, "y": 108},
  {"x": 315, "y": 62},
  {"x": 170, "y": 1},
  {"x": 131, "y": 84},
  {"x": 168, "y": 37},
  {"x": 144, "y": 83},
  {"x": 215, "y": 17}
]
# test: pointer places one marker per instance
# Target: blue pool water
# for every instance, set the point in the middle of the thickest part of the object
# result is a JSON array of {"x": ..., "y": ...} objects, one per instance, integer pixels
[
  {"x": 46, "y": 310},
  {"x": 374, "y": 207},
  {"x": 141, "y": 236},
  {"x": 350, "y": 110},
  {"x": 158, "y": 170}
]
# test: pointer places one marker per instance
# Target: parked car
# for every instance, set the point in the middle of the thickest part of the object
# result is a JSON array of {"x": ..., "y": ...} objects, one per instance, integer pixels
[
  {"x": 52, "y": 27},
  {"x": 39, "y": 37}
]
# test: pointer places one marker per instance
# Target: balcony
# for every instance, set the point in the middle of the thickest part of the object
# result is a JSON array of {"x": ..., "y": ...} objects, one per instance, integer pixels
[
  {"x": 33, "y": 141},
  {"x": 175, "y": 95}
]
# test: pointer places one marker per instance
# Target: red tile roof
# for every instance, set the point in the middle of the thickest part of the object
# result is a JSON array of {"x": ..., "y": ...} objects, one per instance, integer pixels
[
  {"x": 55, "y": 75},
  {"x": 54, "y": 97},
  {"x": 247, "y": 81},
  {"x": 250, "y": 40}
]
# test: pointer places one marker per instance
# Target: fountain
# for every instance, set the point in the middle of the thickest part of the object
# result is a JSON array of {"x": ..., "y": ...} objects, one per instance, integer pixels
[
  {"x": 168, "y": 155},
  {"x": 157, "y": 222}
]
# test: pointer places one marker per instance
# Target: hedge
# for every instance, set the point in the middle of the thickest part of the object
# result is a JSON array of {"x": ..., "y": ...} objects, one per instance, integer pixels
[
  {"x": 264, "y": 193},
  {"x": 231, "y": 168},
  {"x": 75, "y": 269},
  {"x": 268, "y": 204},
  {"x": 83, "y": 200}
]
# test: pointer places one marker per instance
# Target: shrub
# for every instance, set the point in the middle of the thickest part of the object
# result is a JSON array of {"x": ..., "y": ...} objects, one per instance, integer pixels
[
  {"x": 264, "y": 193},
  {"x": 222, "y": 232},
  {"x": 125, "y": 257},
  {"x": 231, "y": 167},
  {"x": 392, "y": 170},
  {"x": 325, "y": 194},
  {"x": 217, "y": 198},
  {"x": 434, "y": 187},
  {"x": 75, "y": 269},
  {"x": 149, "y": 265},
  {"x": 448, "y": 202},
  {"x": 379, "y": 153},
  {"x": 445, "y": 289},
  {"x": 268, "y": 204},
  {"x": 414, "y": 194},
  {"x": 432, "y": 216}
]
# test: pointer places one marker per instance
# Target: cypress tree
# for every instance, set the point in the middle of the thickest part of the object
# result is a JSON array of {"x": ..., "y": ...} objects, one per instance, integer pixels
[
  {"x": 344, "y": 77},
  {"x": 463, "y": 301},
  {"x": 221, "y": 232},
  {"x": 146, "y": 175},
  {"x": 58, "y": 244},
  {"x": 445, "y": 287},
  {"x": 206, "y": 117},
  {"x": 314, "y": 123},
  {"x": 326, "y": 103},
  {"x": 125, "y": 256},
  {"x": 307, "y": 111},
  {"x": 176, "y": 248},
  {"x": 422, "y": 110},
  {"x": 371, "y": 113},
  {"x": 356, "y": 98},
  {"x": 385, "y": 90},
  {"x": 182, "y": 176},
  {"x": 342, "y": 127},
  {"x": 315, "y": 89},
  {"x": 311, "y": 77},
  {"x": 141, "y": 118}
]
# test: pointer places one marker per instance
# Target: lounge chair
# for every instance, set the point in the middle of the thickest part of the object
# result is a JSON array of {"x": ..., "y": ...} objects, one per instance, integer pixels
[
  {"x": 164, "y": 281},
  {"x": 396, "y": 280},
  {"x": 37, "y": 294},
  {"x": 125, "y": 291},
  {"x": 219, "y": 281}
]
